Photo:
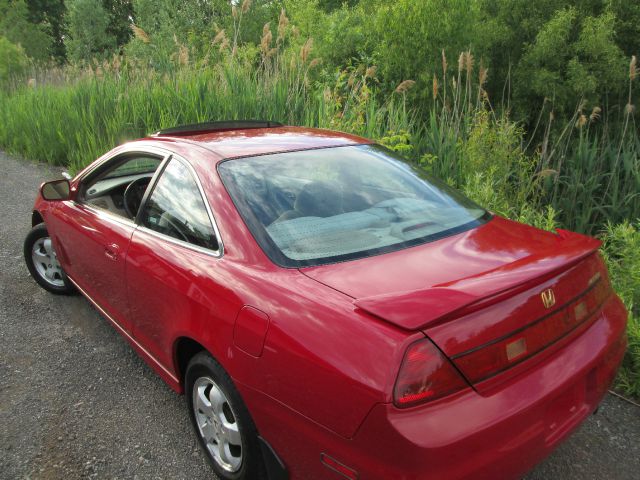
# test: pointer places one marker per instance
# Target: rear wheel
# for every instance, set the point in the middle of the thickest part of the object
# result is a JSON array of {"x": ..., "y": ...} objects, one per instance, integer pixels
[
  {"x": 221, "y": 421},
  {"x": 42, "y": 262}
]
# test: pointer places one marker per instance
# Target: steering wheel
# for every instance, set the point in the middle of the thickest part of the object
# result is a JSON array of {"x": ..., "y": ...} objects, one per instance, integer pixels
[
  {"x": 133, "y": 195},
  {"x": 172, "y": 225}
]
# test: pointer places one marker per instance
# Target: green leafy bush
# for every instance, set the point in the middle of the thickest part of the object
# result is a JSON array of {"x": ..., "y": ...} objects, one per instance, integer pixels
[
  {"x": 621, "y": 244},
  {"x": 14, "y": 61}
]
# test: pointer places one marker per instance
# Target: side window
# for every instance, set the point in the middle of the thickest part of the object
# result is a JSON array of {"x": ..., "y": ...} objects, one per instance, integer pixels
[
  {"x": 176, "y": 208},
  {"x": 121, "y": 184}
]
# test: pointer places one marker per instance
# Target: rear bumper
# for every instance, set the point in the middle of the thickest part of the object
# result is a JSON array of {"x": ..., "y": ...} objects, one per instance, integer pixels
[
  {"x": 498, "y": 434},
  {"x": 505, "y": 433}
]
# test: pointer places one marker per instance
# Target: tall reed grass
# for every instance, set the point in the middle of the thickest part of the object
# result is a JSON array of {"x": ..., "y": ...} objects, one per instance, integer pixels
[{"x": 73, "y": 124}]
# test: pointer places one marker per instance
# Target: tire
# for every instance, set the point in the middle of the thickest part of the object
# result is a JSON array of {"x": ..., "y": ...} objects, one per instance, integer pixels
[
  {"x": 42, "y": 262},
  {"x": 215, "y": 424}
]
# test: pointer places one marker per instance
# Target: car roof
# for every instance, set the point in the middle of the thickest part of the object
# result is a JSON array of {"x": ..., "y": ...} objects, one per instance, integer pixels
[{"x": 244, "y": 142}]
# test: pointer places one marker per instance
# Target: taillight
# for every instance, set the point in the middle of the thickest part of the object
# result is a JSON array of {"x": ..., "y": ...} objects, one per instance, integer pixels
[{"x": 425, "y": 374}]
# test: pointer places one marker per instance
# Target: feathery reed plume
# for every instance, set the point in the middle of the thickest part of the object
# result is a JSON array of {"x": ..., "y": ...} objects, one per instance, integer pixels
[
  {"x": 326, "y": 94},
  {"x": 404, "y": 86},
  {"x": 282, "y": 25},
  {"x": 444, "y": 80},
  {"x": 371, "y": 72},
  {"x": 219, "y": 38},
  {"x": 633, "y": 72},
  {"x": 140, "y": 34},
  {"x": 116, "y": 62},
  {"x": 461, "y": 62},
  {"x": 306, "y": 49},
  {"x": 435, "y": 86},
  {"x": 234, "y": 11},
  {"x": 31, "y": 83},
  {"x": 351, "y": 80},
  {"x": 295, "y": 31},
  {"x": 482, "y": 75},
  {"x": 581, "y": 121},
  {"x": 246, "y": 5},
  {"x": 595, "y": 114},
  {"x": 547, "y": 172},
  {"x": 224, "y": 43},
  {"x": 183, "y": 55},
  {"x": 315, "y": 62},
  {"x": 267, "y": 36},
  {"x": 468, "y": 62}
]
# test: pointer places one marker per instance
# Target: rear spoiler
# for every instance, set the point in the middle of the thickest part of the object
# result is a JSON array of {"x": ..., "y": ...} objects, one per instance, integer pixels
[{"x": 417, "y": 309}]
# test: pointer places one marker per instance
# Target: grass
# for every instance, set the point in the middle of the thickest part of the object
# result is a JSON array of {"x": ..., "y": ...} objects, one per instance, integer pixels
[
  {"x": 584, "y": 175},
  {"x": 73, "y": 124},
  {"x": 621, "y": 247}
]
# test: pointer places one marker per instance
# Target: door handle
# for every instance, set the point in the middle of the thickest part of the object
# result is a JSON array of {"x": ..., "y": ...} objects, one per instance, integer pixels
[{"x": 111, "y": 251}]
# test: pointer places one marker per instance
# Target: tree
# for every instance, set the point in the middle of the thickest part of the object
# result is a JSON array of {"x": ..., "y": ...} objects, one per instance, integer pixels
[
  {"x": 120, "y": 15},
  {"x": 89, "y": 36},
  {"x": 49, "y": 14},
  {"x": 14, "y": 61},
  {"x": 410, "y": 37},
  {"x": 17, "y": 29},
  {"x": 572, "y": 58}
]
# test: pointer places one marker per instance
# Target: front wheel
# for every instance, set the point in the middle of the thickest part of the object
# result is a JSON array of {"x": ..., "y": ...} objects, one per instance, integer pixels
[
  {"x": 221, "y": 421},
  {"x": 42, "y": 262}
]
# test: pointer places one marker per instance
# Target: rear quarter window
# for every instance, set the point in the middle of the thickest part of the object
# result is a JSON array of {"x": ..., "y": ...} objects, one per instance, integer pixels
[{"x": 176, "y": 208}]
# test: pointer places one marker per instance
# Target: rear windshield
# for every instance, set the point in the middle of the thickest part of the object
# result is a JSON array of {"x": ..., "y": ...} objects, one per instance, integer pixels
[{"x": 326, "y": 205}]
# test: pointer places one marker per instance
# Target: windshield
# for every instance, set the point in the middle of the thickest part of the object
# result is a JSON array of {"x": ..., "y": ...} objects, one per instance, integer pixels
[{"x": 326, "y": 205}]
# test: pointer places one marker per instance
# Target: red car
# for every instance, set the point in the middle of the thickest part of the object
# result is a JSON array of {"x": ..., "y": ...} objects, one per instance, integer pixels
[{"x": 328, "y": 310}]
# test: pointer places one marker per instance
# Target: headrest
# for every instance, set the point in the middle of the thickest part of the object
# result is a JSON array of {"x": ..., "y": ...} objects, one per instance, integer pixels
[{"x": 319, "y": 199}]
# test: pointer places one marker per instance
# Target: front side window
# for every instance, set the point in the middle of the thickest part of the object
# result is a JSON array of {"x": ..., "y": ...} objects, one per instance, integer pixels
[
  {"x": 120, "y": 185},
  {"x": 334, "y": 204},
  {"x": 176, "y": 208}
]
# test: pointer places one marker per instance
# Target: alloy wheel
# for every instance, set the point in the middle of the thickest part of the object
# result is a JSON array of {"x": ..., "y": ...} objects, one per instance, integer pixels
[
  {"x": 46, "y": 262},
  {"x": 217, "y": 424}
]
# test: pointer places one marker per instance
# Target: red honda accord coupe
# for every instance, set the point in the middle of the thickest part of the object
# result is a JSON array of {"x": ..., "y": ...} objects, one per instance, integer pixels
[{"x": 328, "y": 310}]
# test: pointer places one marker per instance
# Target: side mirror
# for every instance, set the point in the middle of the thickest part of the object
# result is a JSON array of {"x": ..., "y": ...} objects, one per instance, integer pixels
[{"x": 55, "y": 190}]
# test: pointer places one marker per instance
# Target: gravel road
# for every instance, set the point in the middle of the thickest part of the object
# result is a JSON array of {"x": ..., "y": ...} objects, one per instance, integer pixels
[{"x": 77, "y": 402}]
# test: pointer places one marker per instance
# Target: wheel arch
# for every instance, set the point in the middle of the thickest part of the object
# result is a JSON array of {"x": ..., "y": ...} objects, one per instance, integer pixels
[
  {"x": 36, "y": 218},
  {"x": 184, "y": 349}
]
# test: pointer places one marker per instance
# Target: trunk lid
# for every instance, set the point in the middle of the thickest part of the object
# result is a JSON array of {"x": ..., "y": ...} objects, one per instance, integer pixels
[{"x": 489, "y": 298}]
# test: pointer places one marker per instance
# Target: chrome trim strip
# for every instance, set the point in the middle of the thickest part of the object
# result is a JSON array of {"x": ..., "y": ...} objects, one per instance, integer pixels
[
  {"x": 180, "y": 243},
  {"x": 105, "y": 214},
  {"x": 123, "y": 332},
  {"x": 123, "y": 150}
]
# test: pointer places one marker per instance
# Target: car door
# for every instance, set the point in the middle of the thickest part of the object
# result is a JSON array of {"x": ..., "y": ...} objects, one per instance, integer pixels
[
  {"x": 172, "y": 259},
  {"x": 94, "y": 230}
]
